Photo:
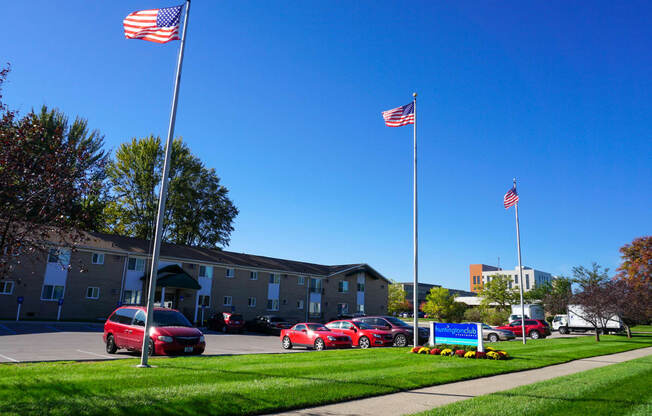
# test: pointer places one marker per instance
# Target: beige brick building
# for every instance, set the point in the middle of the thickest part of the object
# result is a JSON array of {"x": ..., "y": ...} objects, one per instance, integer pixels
[{"x": 107, "y": 270}]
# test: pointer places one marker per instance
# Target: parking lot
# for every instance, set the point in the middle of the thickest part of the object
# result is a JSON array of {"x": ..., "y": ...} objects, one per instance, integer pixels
[{"x": 53, "y": 341}]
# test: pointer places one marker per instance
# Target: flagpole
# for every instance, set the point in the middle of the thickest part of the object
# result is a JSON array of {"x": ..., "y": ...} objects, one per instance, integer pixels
[
  {"x": 415, "y": 292},
  {"x": 520, "y": 268},
  {"x": 161, "y": 201}
]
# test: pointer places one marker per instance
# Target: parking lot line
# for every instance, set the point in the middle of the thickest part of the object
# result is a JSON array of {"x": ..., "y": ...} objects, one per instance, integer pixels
[
  {"x": 97, "y": 355},
  {"x": 8, "y": 358}
]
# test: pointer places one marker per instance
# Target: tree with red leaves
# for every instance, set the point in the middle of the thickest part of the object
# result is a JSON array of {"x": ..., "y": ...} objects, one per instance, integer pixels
[{"x": 637, "y": 261}]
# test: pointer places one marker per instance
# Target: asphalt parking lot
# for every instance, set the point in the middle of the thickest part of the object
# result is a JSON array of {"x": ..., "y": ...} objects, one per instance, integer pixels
[{"x": 54, "y": 341}]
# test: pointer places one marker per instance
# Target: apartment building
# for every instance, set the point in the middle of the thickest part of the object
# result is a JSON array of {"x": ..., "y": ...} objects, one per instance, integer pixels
[
  {"x": 479, "y": 274},
  {"x": 107, "y": 270}
]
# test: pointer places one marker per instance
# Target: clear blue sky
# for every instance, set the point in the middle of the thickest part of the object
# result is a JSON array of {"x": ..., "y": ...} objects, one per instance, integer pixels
[{"x": 283, "y": 99}]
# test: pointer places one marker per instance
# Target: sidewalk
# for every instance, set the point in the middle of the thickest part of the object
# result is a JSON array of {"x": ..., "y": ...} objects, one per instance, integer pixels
[{"x": 426, "y": 398}]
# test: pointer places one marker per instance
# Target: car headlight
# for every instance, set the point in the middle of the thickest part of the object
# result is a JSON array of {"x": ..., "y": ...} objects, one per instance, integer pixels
[
  {"x": 377, "y": 336},
  {"x": 202, "y": 339},
  {"x": 165, "y": 338},
  {"x": 330, "y": 338}
]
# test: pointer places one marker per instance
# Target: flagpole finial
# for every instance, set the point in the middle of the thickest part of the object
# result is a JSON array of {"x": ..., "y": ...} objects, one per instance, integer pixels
[
  {"x": 514, "y": 181},
  {"x": 414, "y": 94}
]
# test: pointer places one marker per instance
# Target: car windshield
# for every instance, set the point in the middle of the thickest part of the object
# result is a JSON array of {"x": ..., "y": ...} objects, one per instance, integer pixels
[
  {"x": 317, "y": 327},
  {"x": 397, "y": 322},
  {"x": 276, "y": 319},
  {"x": 170, "y": 318},
  {"x": 362, "y": 325},
  {"x": 485, "y": 326}
]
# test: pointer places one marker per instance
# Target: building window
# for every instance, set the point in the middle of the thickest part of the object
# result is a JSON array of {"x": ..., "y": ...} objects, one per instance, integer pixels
[
  {"x": 53, "y": 255},
  {"x": 204, "y": 300},
  {"x": 301, "y": 280},
  {"x": 228, "y": 300},
  {"x": 360, "y": 287},
  {"x": 98, "y": 258},
  {"x": 315, "y": 308},
  {"x": 300, "y": 304},
  {"x": 251, "y": 302},
  {"x": 274, "y": 278},
  {"x": 131, "y": 297},
  {"x": 93, "y": 293},
  {"x": 315, "y": 285},
  {"x": 527, "y": 281},
  {"x": 343, "y": 286},
  {"x": 136, "y": 264},
  {"x": 253, "y": 276},
  {"x": 361, "y": 308},
  {"x": 510, "y": 284},
  {"x": 342, "y": 308},
  {"x": 230, "y": 273},
  {"x": 272, "y": 304},
  {"x": 206, "y": 271},
  {"x": 516, "y": 279},
  {"x": 51, "y": 292},
  {"x": 6, "y": 287}
]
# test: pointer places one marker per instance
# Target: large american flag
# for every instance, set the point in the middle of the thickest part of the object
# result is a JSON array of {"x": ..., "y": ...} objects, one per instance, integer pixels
[
  {"x": 399, "y": 116},
  {"x": 157, "y": 25},
  {"x": 511, "y": 198}
]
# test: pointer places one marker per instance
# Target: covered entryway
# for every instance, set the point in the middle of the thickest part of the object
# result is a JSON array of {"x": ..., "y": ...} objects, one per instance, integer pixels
[{"x": 174, "y": 288}]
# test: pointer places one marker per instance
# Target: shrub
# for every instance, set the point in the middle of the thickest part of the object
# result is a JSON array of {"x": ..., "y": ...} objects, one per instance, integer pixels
[
  {"x": 435, "y": 351},
  {"x": 460, "y": 353},
  {"x": 470, "y": 354},
  {"x": 446, "y": 352},
  {"x": 480, "y": 355}
]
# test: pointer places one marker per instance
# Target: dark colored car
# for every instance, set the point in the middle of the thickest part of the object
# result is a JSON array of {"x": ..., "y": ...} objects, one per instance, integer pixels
[
  {"x": 402, "y": 332},
  {"x": 270, "y": 324},
  {"x": 226, "y": 322},
  {"x": 171, "y": 332},
  {"x": 313, "y": 335},
  {"x": 361, "y": 334},
  {"x": 534, "y": 328}
]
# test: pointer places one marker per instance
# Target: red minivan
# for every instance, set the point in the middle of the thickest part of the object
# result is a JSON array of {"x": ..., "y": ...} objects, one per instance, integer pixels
[{"x": 171, "y": 332}]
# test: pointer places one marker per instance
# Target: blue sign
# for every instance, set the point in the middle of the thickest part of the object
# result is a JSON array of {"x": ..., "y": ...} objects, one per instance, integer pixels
[
  {"x": 20, "y": 299},
  {"x": 457, "y": 334},
  {"x": 60, "y": 301}
]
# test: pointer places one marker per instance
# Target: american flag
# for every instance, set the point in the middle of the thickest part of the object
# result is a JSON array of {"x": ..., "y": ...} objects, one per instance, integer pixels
[
  {"x": 511, "y": 198},
  {"x": 399, "y": 116},
  {"x": 157, "y": 25}
]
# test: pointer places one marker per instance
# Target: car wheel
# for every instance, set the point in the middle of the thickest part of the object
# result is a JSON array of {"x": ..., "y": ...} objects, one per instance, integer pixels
[
  {"x": 111, "y": 348},
  {"x": 563, "y": 330},
  {"x": 493, "y": 338},
  {"x": 400, "y": 340},
  {"x": 287, "y": 344},
  {"x": 534, "y": 334},
  {"x": 364, "y": 343},
  {"x": 150, "y": 348},
  {"x": 319, "y": 344}
]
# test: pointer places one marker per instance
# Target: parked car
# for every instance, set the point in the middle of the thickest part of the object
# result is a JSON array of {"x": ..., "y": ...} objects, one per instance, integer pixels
[
  {"x": 226, "y": 322},
  {"x": 494, "y": 335},
  {"x": 402, "y": 332},
  {"x": 171, "y": 332},
  {"x": 534, "y": 328},
  {"x": 270, "y": 324},
  {"x": 361, "y": 334},
  {"x": 313, "y": 335}
]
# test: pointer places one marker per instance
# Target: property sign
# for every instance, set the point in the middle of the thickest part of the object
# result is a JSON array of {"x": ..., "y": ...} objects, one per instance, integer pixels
[{"x": 457, "y": 334}]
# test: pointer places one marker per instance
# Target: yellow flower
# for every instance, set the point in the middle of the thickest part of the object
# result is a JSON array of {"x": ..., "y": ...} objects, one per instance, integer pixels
[
  {"x": 447, "y": 352},
  {"x": 470, "y": 354}
]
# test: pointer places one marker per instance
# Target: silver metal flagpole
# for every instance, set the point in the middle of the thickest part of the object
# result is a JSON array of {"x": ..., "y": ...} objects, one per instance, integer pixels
[
  {"x": 415, "y": 292},
  {"x": 161, "y": 200},
  {"x": 520, "y": 268}
]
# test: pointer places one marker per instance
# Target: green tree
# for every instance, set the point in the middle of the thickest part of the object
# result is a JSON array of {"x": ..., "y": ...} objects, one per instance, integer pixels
[
  {"x": 497, "y": 291},
  {"x": 396, "y": 302},
  {"x": 554, "y": 296},
  {"x": 441, "y": 306},
  {"x": 198, "y": 210}
]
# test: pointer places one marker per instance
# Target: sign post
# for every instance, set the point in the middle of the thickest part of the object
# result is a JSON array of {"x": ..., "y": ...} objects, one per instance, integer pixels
[
  {"x": 457, "y": 334},
  {"x": 20, "y": 300},
  {"x": 59, "y": 309}
]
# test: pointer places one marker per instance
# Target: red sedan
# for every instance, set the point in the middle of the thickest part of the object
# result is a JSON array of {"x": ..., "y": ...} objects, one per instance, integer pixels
[
  {"x": 171, "y": 332},
  {"x": 362, "y": 335},
  {"x": 534, "y": 328},
  {"x": 313, "y": 335}
]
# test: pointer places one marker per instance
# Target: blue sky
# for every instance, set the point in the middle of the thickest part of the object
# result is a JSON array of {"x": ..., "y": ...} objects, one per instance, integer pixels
[{"x": 283, "y": 99}]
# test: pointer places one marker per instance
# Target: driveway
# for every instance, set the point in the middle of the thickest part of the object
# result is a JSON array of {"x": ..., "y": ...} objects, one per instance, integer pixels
[{"x": 54, "y": 341}]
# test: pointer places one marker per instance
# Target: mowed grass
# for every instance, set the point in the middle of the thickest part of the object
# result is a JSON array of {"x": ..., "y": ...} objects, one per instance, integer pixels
[
  {"x": 642, "y": 328},
  {"x": 232, "y": 385},
  {"x": 618, "y": 389}
]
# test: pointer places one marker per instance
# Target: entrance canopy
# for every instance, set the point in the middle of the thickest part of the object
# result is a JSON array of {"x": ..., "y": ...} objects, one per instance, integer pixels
[{"x": 174, "y": 276}]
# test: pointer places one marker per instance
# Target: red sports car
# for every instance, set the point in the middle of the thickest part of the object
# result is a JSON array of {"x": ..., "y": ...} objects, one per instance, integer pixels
[
  {"x": 534, "y": 328},
  {"x": 313, "y": 335},
  {"x": 363, "y": 335}
]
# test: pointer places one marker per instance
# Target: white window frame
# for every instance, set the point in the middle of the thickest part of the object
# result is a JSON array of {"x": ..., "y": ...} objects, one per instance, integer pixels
[
  {"x": 360, "y": 308},
  {"x": 4, "y": 284},
  {"x": 342, "y": 286},
  {"x": 274, "y": 279},
  {"x": 207, "y": 273},
  {"x": 300, "y": 304},
  {"x": 204, "y": 300},
  {"x": 92, "y": 288},
  {"x": 253, "y": 275},
  {"x": 63, "y": 289},
  {"x": 275, "y": 305},
  {"x": 301, "y": 280},
  {"x": 137, "y": 261},
  {"x": 97, "y": 258},
  {"x": 251, "y": 302},
  {"x": 228, "y": 301},
  {"x": 229, "y": 273}
]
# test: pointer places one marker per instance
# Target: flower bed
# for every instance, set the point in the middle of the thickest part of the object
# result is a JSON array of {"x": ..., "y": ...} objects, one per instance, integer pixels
[{"x": 462, "y": 351}]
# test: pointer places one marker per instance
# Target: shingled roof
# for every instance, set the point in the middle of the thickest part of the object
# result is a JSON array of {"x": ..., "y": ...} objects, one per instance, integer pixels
[{"x": 136, "y": 246}]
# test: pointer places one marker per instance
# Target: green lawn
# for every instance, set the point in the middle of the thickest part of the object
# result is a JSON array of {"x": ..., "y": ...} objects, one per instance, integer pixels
[
  {"x": 619, "y": 389},
  {"x": 642, "y": 328},
  {"x": 263, "y": 383}
]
